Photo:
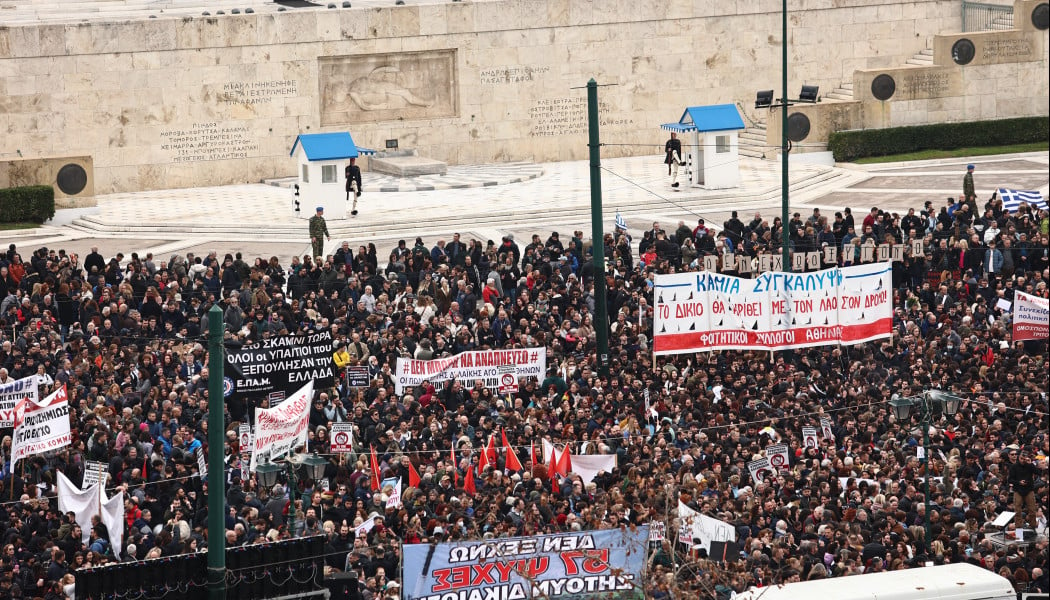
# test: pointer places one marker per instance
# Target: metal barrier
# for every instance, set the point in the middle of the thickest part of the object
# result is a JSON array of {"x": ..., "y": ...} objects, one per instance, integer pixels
[
  {"x": 982, "y": 16},
  {"x": 285, "y": 569}
]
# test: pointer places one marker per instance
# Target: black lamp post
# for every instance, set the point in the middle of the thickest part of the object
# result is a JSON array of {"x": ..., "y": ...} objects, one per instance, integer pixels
[
  {"x": 309, "y": 466},
  {"x": 929, "y": 404}
]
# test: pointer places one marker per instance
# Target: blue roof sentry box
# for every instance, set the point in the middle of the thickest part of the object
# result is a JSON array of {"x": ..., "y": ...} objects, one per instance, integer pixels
[
  {"x": 716, "y": 117},
  {"x": 328, "y": 146}
]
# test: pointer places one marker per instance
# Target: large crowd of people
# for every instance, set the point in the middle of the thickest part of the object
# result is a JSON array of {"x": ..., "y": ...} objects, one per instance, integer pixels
[{"x": 127, "y": 336}]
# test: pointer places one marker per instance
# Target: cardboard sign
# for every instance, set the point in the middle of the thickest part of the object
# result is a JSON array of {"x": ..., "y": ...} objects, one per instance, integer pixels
[
  {"x": 357, "y": 376},
  {"x": 342, "y": 438},
  {"x": 809, "y": 437},
  {"x": 94, "y": 473},
  {"x": 761, "y": 469},
  {"x": 778, "y": 456}
]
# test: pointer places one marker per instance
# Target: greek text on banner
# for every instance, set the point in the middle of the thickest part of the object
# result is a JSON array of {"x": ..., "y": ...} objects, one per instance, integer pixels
[
  {"x": 489, "y": 366},
  {"x": 703, "y": 311},
  {"x": 275, "y": 367},
  {"x": 591, "y": 565},
  {"x": 1031, "y": 317}
]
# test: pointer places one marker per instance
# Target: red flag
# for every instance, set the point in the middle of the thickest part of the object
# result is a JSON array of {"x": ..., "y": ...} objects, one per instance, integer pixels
[
  {"x": 564, "y": 464},
  {"x": 455, "y": 471},
  {"x": 375, "y": 467},
  {"x": 490, "y": 451},
  {"x": 468, "y": 482},
  {"x": 483, "y": 460},
  {"x": 145, "y": 461},
  {"x": 513, "y": 464},
  {"x": 552, "y": 468},
  {"x": 413, "y": 475}
]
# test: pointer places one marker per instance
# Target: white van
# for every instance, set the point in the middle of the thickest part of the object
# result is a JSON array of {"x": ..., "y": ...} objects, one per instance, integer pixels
[{"x": 961, "y": 581}]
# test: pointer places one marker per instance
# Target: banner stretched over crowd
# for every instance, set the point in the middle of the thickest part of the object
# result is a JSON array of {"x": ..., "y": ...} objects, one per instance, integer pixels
[
  {"x": 282, "y": 429},
  {"x": 696, "y": 312},
  {"x": 701, "y": 529},
  {"x": 13, "y": 392},
  {"x": 591, "y": 565},
  {"x": 492, "y": 367},
  {"x": 1031, "y": 317},
  {"x": 41, "y": 426},
  {"x": 276, "y": 367}
]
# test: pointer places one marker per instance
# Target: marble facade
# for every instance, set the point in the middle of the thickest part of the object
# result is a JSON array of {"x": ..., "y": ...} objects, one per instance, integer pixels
[{"x": 192, "y": 101}]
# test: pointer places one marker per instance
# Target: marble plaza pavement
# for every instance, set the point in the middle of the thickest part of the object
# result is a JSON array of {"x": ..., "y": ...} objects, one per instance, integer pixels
[{"x": 490, "y": 201}]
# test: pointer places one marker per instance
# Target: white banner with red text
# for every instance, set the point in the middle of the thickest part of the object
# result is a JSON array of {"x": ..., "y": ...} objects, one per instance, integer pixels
[
  {"x": 282, "y": 429},
  {"x": 1031, "y": 317},
  {"x": 41, "y": 426},
  {"x": 704, "y": 311},
  {"x": 492, "y": 367}
]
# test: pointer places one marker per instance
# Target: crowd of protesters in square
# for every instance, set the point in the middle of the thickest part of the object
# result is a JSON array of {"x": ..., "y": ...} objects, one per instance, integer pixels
[{"x": 127, "y": 336}]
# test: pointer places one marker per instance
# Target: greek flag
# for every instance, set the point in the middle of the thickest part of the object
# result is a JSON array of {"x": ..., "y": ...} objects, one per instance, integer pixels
[
  {"x": 1012, "y": 199},
  {"x": 620, "y": 222}
]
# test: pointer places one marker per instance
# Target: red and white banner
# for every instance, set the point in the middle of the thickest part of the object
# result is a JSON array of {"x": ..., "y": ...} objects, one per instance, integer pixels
[
  {"x": 488, "y": 366},
  {"x": 13, "y": 392},
  {"x": 41, "y": 426},
  {"x": 1031, "y": 317},
  {"x": 282, "y": 429},
  {"x": 706, "y": 311}
]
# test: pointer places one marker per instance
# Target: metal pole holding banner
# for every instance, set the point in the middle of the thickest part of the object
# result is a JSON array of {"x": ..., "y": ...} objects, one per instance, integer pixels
[
  {"x": 216, "y": 446},
  {"x": 601, "y": 317},
  {"x": 785, "y": 237}
]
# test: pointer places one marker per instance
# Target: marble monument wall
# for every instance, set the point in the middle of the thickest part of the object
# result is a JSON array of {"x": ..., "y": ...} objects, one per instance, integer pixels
[{"x": 178, "y": 102}]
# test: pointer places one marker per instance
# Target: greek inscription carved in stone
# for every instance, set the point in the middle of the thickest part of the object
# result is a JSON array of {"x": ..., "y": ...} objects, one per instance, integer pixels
[
  {"x": 564, "y": 116},
  {"x": 208, "y": 141},
  {"x": 926, "y": 83},
  {"x": 1006, "y": 49},
  {"x": 512, "y": 74},
  {"x": 257, "y": 92}
]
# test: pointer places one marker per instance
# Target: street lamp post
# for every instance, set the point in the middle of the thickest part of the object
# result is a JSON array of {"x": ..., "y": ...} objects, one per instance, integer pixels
[
  {"x": 310, "y": 466},
  {"x": 929, "y": 403}
]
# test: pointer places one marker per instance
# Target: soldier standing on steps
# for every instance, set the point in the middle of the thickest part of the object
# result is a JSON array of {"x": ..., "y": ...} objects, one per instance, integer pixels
[
  {"x": 353, "y": 184},
  {"x": 673, "y": 157},
  {"x": 318, "y": 229},
  {"x": 969, "y": 195}
]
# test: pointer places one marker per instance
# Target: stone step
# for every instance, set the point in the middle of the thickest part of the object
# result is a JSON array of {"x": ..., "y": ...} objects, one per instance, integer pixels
[
  {"x": 918, "y": 62},
  {"x": 292, "y": 230},
  {"x": 840, "y": 95}
]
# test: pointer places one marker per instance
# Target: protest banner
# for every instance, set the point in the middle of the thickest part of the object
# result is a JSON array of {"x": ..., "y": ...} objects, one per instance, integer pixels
[
  {"x": 94, "y": 473},
  {"x": 13, "y": 392},
  {"x": 809, "y": 437},
  {"x": 282, "y": 429},
  {"x": 468, "y": 367},
  {"x": 202, "y": 464},
  {"x": 778, "y": 456},
  {"x": 361, "y": 531},
  {"x": 276, "y": 367},
  {"x": 394, "y": 498},
  {"x": 705, "y": 311},
  {"x": 342, "y": 438},
  {"x": 41, "y": 426},
  {"x": 700, "y": 530},
  {"x": 1031, "y": 317},
  {"x": 244, "y": 432},
  {"x": 588, "y": 565},
  {"x": 761, "y": 469},
  {"x": 357, "y": 376},
  {"x": 657, "y": 531},
  {"x": 825, "y": 428}
]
